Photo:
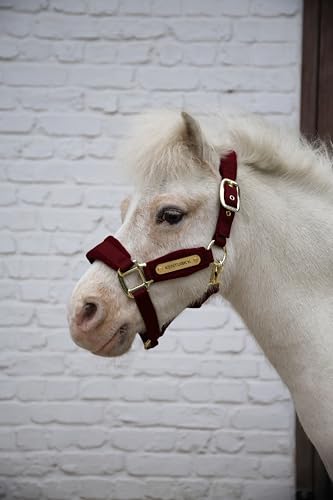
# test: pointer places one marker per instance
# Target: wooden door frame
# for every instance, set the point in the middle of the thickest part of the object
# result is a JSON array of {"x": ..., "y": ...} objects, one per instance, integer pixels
[{"x": 312, "y": 481}]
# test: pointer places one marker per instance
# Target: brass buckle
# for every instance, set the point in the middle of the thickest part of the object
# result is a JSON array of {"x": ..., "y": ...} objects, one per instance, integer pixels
[
  {"x": 217, "y": 266},
  {"x": 224, "y": 204},
  {"x": 136, "y": 268}
]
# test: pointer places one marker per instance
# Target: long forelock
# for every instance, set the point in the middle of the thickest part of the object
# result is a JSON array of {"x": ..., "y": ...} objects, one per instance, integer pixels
[{"x": 157, "y": 151}]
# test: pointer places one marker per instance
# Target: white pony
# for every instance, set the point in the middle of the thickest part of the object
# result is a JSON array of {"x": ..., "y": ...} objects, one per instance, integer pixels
[{"x": 279, "y": 269}]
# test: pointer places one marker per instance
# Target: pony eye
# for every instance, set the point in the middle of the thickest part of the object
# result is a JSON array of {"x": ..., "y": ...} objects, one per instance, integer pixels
[{"x": 171, "y": 215}]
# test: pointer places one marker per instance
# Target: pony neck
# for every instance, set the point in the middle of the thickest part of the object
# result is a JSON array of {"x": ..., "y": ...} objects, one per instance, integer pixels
[{"x": 276, "y": 276}]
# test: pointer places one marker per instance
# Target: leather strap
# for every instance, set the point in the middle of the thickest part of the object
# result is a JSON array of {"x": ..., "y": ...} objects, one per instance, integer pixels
[{"x": 228, "y": 170}]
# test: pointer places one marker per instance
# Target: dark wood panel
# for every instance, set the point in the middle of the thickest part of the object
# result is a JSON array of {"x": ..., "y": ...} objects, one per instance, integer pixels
[
  {"x": 325, "y": 81},
  {"x": 310, "y": 66}
]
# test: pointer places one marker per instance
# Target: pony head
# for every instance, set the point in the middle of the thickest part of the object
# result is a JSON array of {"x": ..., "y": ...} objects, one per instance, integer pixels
[{"x": 174, "y": 206}]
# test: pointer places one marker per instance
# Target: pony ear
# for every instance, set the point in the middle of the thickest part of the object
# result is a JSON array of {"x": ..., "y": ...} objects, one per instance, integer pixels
[
  {"x": 124, "y": 207},
  {"x": 194, "y": 137}
]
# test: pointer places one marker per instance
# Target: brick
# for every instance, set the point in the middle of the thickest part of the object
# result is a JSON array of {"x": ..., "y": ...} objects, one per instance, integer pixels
[
  {"x": 103, "y": 100},
  {"x": 33, "y": 195},
  {"x": 167, "y": 78},
  {"x": 223, "y": 489},
  {"x": 8, "y": 50},
  {"x": 97, "y": 52},
  {"x": 284, "y": 7},
  {"x": 132, "y": 7},
  {"x": 7, "y": 244},
  {"x": 275, "y": 30},
  {"x": 103, "y": 7},
  {"x": 215, "y": 465},
  {"x": 31, "y": 390},
  {"x": 38, "y": 148},
  {"x": 33, "y": 364},
  {"x": 268, "y": 443},
  {"x": 196, "y": 391},
  {"x": 101, "y": 148},
  {"x": 193, "y": 441},
  {"x": 34, "y": 291},
  {"x": 274, "y": 417},
  {"x": 82, "y": 221},
  {"x": 68, "y": 52},
  {"x": 7, "y": 100},
  {"x": 267, "y": 392},
  {"x": 70, "y": 125},
  {"x": 7, "y": 441},
  {"x": 131, "y": 29},
  {"x": 169, "y": 54},
  {"x": 7, "y": 389},
  {"x": 101, "y": 77},
  {"x": 67, "y": 245},
  {"x": 53, "y": 316},
  {"x": 13, "y": 414},
  {"x": 129, "y": 489},
  {"x": 90, "y": 464},
  {"x": 62, "y": 438},
  {"x": 9, "y": 290},
  {"x": 37, "y": 268},
  {"x": 19, "y": 220},
  {"x": 259, "y": 54},
  {"x": 68, "y": 6},
  {"x": 31, "y": 439},
  {"x": 162, "y": 391},
  {"x": 248, "y": 79},
  {"x": 168, "y": 465},
  {"x": 233, "y": 342},
  {"x": 59, "y": 99},
  {"x": 235, "y": 7},
  {"x": 228, "y": 441},
  {"x": 69, "y": 413},
  {"x": 259, "y": 490},
  {"x": 99, "y": 389},
  {"x": 18, "y": 316},
  {"x": 17, "y": 25},
  {"x": 66, "y": 197},
  {"x": 34, "y": 50},
  {"x": 31, "y": 76},
  {"x": 229, "y": 392},
  {"x": 31, "y": 6},
  {"x": 7, "y": 195},
  {"x": 170, "y": 8},
  {"x": 15, "y": 124},
  {"x": 201, "y": 31},
  {"x": 133, "y": 53},
  {"x": 200, "y": 54},
  {"x": 58, "y": 27}
]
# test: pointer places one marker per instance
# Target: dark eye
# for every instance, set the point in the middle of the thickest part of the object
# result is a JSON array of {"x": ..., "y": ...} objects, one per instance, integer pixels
[{"x": 171, "y": 215}]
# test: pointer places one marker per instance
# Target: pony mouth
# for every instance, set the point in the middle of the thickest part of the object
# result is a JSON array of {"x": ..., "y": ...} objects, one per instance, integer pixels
[{"x": 118, "y": 339}]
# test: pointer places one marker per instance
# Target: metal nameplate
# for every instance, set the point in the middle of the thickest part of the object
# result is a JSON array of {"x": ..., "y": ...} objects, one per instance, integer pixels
[{"x": 177, "y": 264}]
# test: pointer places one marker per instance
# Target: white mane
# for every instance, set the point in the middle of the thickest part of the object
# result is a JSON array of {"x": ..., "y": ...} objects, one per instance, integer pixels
[{"x": 156, "y": 147}]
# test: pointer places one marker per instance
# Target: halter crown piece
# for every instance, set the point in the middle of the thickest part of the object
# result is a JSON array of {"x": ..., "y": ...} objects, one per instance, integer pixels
[{"x": 177, "y": 264}]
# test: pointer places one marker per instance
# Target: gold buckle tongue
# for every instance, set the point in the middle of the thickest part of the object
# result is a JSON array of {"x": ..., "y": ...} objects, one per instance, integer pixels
[
  {"x": 216, "y": 272},
  {"x": 217, "y": 266}
]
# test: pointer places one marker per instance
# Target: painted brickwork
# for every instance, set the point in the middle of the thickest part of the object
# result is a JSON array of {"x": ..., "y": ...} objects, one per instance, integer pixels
[{"x": 203, "y": 416}]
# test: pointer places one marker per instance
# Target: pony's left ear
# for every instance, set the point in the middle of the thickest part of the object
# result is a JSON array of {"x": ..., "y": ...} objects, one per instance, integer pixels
[{"x": 194, "y": 137}]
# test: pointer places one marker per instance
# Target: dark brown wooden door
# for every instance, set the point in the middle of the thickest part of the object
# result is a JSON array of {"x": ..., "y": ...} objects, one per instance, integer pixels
[{"x": 312, "y": 481}]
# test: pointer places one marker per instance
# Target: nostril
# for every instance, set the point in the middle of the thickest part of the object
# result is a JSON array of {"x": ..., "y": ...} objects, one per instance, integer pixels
[
  {"x": 89, "y": 315},
  {"x": 89, "y": 310}
]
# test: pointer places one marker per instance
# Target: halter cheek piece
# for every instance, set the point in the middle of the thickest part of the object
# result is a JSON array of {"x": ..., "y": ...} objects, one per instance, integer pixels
[{"x": 176, "y": 264}]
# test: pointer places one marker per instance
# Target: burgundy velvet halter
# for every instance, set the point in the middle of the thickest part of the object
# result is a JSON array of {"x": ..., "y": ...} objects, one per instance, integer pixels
[{"x": 177, "y": 264}]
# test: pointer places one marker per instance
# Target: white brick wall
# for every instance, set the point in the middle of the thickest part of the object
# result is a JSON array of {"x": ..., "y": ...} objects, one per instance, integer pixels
[{"x": 203, "y": 416}]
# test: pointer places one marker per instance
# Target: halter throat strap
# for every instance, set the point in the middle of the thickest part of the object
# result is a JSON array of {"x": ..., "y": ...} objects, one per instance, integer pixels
[{"x": 177, "y": 264}]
